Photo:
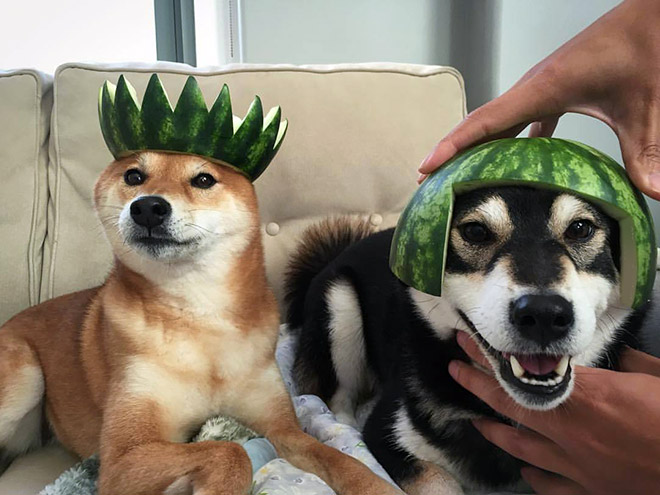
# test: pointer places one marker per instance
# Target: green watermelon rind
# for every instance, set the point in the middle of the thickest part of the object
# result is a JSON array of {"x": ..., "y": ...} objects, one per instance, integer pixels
[
  {"x": 157, "y": 116},
  {"x": 257, "y": 154},
  {"x": 109, "y": 125},
  {"x": 419, "y": 246},
  {"x": 189, "y": 128},
  {"x": 190, "y": 116},
  {"x": 219, "y": 126},
  {"x": 129, "y": 122},
  {"x": 235, "y": 150}
]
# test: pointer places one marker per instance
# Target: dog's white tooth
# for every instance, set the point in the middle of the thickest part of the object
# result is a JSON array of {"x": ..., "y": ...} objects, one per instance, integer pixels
[
  {"x": 518, "y": 371},
  {"x": 562, "y": 366}
]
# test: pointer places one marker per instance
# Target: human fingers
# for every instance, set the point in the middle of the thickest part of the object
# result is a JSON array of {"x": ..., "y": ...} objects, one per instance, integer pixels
[
  {"x": 504, "y": 116},
  {"x": 526, "y": 445},
  {"x": 472, "y": 349},
  {"x": 489, "y": 390},
  {"x": 544, "y": 128},
  {"x": 507, "y": 133},
  {"x": 633, "y": 361},
  {"x": 640, "y": 149},
  {"x": 544, "y": 483}
]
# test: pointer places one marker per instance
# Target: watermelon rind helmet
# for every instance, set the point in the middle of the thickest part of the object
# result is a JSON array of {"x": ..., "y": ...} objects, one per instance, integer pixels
[{"x": 419, "y": 245}]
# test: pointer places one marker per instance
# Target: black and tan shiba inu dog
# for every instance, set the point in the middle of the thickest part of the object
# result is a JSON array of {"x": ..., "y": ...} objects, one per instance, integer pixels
[{"x": 531, "y": 274}]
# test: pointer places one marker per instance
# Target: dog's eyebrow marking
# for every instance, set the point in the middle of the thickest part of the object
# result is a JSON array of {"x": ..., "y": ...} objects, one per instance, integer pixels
[
  {"x": 494, "y": 213},
  {"x": 199, "y": 165},
  {"x": 142, "y": 159},
  {"x": 566, "y": 209}
]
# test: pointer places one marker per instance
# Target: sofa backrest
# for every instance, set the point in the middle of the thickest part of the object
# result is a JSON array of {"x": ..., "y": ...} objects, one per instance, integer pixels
[
  {"x": 356, "y": 135},
  {"x": 25, "y": 106}
]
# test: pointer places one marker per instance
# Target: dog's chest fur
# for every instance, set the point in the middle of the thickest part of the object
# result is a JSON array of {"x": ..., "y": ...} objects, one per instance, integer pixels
[{"x": 193, "y": 367}]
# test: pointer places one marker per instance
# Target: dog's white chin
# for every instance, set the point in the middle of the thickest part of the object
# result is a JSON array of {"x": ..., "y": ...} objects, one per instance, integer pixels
[
  {"x": 188, "y": 252},
  {"x": 563, "y": 376},
  {"x": 536, "y": 403}
]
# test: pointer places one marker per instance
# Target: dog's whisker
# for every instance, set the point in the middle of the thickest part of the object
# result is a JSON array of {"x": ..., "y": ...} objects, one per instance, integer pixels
[
  {"x": 435, "y": 306},
  {"x": 201, "y": 229},
  {"x": 111, "y": 206}
]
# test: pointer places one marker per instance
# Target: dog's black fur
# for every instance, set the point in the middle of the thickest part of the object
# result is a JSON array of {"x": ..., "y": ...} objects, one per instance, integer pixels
[{"x": 401, "y": 345}]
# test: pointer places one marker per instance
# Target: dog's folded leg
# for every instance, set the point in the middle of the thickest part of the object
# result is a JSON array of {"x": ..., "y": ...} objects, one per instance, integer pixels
[
  {"x": 136, "y": 458},
  {"x": 21, "y": 395},
  {"x": 344, "y": 474}
]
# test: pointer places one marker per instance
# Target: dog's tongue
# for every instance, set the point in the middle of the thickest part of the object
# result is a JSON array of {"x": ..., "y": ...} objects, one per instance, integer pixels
[{"x": 538, "y": 364}]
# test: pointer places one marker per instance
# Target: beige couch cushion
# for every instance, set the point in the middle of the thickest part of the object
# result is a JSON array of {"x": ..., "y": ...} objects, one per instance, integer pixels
[
  {"x": 356, "y": 135},
  {"x": 25, "y": 105},
  {"x": 30, "y": 473}
]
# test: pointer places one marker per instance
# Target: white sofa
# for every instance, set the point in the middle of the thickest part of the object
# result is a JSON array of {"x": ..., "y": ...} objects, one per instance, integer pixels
[{"x": 356, "y": 136}]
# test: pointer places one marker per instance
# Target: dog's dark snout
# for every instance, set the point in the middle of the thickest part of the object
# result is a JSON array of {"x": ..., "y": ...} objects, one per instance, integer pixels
[
  {"x": 542, "y": 318},
  {"x": 150, "y": 211}
]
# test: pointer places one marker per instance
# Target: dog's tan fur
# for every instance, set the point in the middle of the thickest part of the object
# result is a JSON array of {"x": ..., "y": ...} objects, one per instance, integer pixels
[{"x": 133, "y": 368}]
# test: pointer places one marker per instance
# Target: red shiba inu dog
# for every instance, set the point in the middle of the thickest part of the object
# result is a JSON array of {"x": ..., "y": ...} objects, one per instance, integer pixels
[{"x": 184, "y": 328}]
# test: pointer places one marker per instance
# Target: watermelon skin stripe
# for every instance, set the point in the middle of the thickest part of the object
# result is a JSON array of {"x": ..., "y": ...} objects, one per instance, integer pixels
[
  {"x": 157, "y": 116},
  {"x": 255, "y": 162},
  {"x": 190, "y": 127},
  {"x": 109, "y": 124},
  {"x": 419, "y": 245},
  {"x": 235, "y": 150},
  {"x": 190, "y": 116},
  {"x": 127, "y": 111},
  {"x": 219, "y": 126}
]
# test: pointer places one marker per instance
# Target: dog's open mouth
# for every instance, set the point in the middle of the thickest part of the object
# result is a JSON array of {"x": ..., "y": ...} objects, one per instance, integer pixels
[{"x": 540, "y": 374}]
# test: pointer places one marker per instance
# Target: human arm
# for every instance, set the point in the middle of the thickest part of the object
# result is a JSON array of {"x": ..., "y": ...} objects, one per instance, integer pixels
[{"x": 609, "y": 71}]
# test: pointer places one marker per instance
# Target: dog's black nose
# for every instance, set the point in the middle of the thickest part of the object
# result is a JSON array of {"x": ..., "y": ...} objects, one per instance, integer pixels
[
  {"x": 543, "y": 319},
  {"x": 150, "y": 211}
]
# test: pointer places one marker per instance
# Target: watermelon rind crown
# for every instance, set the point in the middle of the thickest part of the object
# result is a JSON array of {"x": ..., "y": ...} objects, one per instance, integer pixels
[
  {"x": 247, "y": 145},
  {"x": 419, "y": 246}
]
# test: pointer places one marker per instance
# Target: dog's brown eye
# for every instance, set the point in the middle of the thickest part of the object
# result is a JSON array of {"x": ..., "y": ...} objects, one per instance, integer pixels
[
  {"x": 134, "y": 177},
  {"x": 580, "y": 230},
  {"x": 203, "y": 181},
  {"x": 475, "y": 232}
]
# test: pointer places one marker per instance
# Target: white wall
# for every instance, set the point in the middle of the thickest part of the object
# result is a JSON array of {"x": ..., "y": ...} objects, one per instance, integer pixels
[
  {"x": 332, "y": 31},
  {"x": 43, "y": 34},
  {"x": 492, "y": 42},
  {"x": 528, "y": 32}
]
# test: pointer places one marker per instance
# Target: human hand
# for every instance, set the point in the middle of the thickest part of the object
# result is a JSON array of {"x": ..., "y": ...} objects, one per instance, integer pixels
[
  {"x": 605, "y": 440},
  {"x": 610, "y": 71}
]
